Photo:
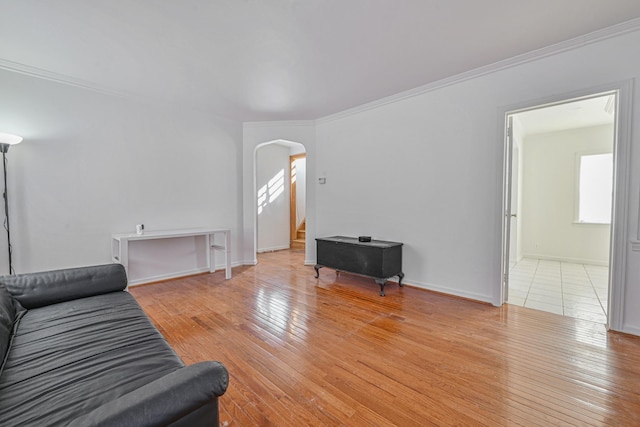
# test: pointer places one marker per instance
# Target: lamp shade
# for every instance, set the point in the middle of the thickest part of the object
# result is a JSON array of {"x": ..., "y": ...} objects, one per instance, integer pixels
[{"x": 7, "y": 138}]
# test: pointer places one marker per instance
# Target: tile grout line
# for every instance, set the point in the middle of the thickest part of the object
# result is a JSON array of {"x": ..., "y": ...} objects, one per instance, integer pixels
[
  {"x": 528, "y": 287},
  {"x": 533, "y": 276},
  {"x": 595, "y": 291}
]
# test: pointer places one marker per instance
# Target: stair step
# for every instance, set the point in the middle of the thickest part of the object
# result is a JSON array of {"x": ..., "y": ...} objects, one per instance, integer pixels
[{"x": 297, "y": 244}]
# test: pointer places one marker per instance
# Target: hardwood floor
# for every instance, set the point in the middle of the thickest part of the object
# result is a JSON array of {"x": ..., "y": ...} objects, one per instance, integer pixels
[{"x": 330, "y": 351}]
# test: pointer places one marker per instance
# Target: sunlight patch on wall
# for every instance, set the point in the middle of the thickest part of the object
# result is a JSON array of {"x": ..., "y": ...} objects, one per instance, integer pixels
[
  {"x": 270, "y": 192},
  {"x": 276, "y": 186},
  {"x": 262, "y": 198}
]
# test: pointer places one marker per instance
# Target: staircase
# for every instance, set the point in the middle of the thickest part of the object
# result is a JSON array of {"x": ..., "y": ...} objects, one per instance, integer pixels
[{"x": 299, "y": 241}]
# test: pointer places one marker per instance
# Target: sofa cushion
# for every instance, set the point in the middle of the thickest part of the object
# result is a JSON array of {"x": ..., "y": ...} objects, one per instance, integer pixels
[
  {"x": 35, "y": 290},
  {"x": 10, "y": 310},
  {"x": 69, "y": 358}
]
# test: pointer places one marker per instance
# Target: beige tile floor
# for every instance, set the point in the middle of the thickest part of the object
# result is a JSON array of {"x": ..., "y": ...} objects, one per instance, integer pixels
[{"x": 574, "y": 290}]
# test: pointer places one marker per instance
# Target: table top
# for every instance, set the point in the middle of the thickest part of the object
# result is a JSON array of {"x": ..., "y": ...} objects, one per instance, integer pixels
[
  {"x": 161, "y": 234},
  {"x": 355, "y": 241}
]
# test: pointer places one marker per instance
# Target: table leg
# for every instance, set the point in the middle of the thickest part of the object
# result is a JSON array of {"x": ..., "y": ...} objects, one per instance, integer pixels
[
  {"x": 207, "y": 243},
  {"x": 227, "y": 254},
  {"x": 124, "y": 255}
]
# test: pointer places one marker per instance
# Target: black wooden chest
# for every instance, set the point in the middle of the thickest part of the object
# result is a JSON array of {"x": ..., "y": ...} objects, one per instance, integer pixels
[{"x": 377, "y": 259}]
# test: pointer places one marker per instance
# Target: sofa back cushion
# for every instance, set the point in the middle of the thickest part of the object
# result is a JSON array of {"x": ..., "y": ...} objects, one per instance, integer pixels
[
  {"x": 33, "y": 290},
  {"x": 10, "y": 309}
]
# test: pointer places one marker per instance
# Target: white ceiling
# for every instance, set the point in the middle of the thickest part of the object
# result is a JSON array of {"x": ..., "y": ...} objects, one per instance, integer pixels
[
  {"x": 571, "y": 115},
  {"x": 282, "y": 59}
]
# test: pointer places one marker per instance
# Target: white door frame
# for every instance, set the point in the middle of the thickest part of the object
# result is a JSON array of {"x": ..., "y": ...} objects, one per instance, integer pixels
[
  {"x": 507, "y": 203},
  {"x": 619, "y": 221}
]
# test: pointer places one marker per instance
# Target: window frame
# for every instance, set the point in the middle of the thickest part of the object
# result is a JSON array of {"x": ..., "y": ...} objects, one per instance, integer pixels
[{"x": 576, "y": 216}]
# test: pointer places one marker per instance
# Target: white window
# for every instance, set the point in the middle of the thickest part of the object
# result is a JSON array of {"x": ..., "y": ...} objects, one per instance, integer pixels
[{"x": 595, "y": 188}]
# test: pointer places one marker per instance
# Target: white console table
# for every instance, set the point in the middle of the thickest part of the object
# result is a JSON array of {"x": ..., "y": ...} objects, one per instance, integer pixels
[{"x": 120, "y": 245}]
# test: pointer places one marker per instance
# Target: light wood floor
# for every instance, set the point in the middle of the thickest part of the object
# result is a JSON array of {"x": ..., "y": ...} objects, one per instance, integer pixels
[{"x": 330, "y": 351}]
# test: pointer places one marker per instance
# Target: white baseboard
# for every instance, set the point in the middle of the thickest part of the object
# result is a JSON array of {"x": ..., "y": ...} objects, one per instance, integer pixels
[
  {"x": 160, "y": 277},
  {"x": 233, "y": 264},
  {"x": 630, "y": 330},
  {"x": 446, "y": 290},
  {"x": 567, "y": 259},
  {"x": 273, "y": 249},
  {"x": 432, "y": 287},
  {"x": 151, "y": 279}
]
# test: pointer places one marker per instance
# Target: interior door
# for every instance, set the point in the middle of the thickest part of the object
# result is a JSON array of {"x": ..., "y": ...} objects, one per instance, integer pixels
[
  {"x": 513, "y": 241},
  {"x": 507, "y": 197}
]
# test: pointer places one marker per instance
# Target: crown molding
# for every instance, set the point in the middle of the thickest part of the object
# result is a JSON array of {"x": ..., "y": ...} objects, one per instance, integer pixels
[
  {"x": 57, "y": 78},
  {"x": 94, "y": 87},
  {"x": 571, "y": 44},
  {"x": 568, "y": 45},
  {"x": 84, "y": 84}
]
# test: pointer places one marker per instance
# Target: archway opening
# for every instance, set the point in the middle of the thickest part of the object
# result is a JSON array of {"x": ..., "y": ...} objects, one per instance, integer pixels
[{"x": 279, "y": 195}]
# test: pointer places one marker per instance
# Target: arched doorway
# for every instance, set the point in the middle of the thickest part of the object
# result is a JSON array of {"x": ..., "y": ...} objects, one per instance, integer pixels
[{"x": 275, "y": 180}]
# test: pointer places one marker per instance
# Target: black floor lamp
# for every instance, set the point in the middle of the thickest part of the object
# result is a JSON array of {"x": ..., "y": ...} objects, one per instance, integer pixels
[{"x": 7, "y": 140}]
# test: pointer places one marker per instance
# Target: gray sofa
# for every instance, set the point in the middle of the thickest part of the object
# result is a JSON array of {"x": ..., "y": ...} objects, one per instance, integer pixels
[{"x": 77, "y": 349}]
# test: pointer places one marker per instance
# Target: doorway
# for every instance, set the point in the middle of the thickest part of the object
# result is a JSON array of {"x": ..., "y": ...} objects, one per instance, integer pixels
[
  {"x": 297, "y": 205},
  {"x": 273, "y": 192},
  {"x": 559, "y": 195}
]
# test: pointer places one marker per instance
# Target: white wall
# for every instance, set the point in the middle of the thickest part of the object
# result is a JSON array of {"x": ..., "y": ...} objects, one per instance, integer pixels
[
  {"x": 426, "y": 169},
  {"x": 273, "y": 197},
  {"x": 256, "y": 134},
  {"x": 419, "y": 171},
  {"x": 294, "y": 148},
  {"x": 93, "y": 164},
  {"x": 549, "y": 199}
]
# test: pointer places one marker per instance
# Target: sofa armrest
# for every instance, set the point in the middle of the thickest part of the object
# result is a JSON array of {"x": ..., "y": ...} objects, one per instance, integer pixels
[
  {"x": 34, "y": 290},
  {"x": 163, "y": 401}
]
